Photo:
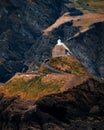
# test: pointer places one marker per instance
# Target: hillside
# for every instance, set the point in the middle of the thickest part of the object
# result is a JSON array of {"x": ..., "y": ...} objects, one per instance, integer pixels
[
  {"x": 69, "y": 64},
  {"x": 64, "y": 64},
  {"x": 28, "y": 33},
  {"x": 80, "y": 108},
  {"x": 36, "y": 87},
  {"x": 88, "y": 48},
  {"x": 38, "y": 92},
  {"x": 46, "y": 82}
]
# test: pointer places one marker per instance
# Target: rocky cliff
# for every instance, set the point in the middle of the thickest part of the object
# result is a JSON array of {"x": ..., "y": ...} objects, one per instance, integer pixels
[
  {"x": 80, "y": 108},
  {"x": 30, "y": 28},
  {"x": 88, "y": 48},
  {"x": 21, "y": 25}
]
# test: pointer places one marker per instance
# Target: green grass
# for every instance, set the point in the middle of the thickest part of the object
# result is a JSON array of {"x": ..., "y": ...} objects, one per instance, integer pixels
[
  {"x": 32, "y": 89},
  {"x": 71, "y": 65},
  {"x": 91, "y": 5},
  {"x": 39, "y": 86}
]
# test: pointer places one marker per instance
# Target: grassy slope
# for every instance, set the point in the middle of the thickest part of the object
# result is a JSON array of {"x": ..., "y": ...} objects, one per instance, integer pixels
[
  {"x": 33, "y": 88},
  {"x": 39, "y": 86},
  {"x": 91, "y": 5},
  {"x": 68, "y": 64}
]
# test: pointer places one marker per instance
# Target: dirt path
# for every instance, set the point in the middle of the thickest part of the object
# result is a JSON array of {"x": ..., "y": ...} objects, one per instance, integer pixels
[{"x": 48, "y": 66}]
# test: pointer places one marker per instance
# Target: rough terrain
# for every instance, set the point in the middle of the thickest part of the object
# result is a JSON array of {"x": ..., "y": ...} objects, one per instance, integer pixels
[
  {"x": 28, "y": 33},
  {"x": 80, "y": 108},
  {"x": 48, "y": 100}
]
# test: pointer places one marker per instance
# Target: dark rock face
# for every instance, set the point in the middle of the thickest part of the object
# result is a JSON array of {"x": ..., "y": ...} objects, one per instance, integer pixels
[
  {"x": 21, "y": 24},
  {"x": 88, "y": 47},
  {"x": 77, "y": 109},
  {"x": 22, "y": 43}
]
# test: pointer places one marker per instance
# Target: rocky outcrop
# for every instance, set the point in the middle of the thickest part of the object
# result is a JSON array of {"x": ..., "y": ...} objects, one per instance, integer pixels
[
  {"x": 79, "y": 108},
  {"x": 88, "y": 48}
]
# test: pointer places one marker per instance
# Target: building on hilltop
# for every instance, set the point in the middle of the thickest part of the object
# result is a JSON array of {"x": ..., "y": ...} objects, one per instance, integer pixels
[{"x": 60, "y": 49}]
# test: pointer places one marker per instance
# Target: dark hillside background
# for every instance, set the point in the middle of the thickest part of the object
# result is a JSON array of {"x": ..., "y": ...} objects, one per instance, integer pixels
[{"x": 23, "y": 45}]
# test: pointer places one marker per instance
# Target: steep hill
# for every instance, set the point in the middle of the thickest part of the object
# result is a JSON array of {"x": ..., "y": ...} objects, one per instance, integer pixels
[
  {"x": 20, "y": 27},
  {"x": 64, "y": 65},
  {"x": 88, "y": 48},
  {"x": 30, "y": 28},
  {"x": 80, "y": 108},
  {"x": 34, "y": 86}
]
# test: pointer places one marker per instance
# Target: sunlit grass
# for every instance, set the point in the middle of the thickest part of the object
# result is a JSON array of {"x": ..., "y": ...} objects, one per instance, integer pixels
[
  {"x": 91, "y": 5},
  {"x": 68, "y": 64},
  {"x": 34, "y": 88},
  {"x": 47, "y": 82}
]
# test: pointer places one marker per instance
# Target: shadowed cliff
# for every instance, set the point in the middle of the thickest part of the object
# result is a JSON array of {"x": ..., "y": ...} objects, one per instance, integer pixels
[{"x": 88, "y": 47}]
